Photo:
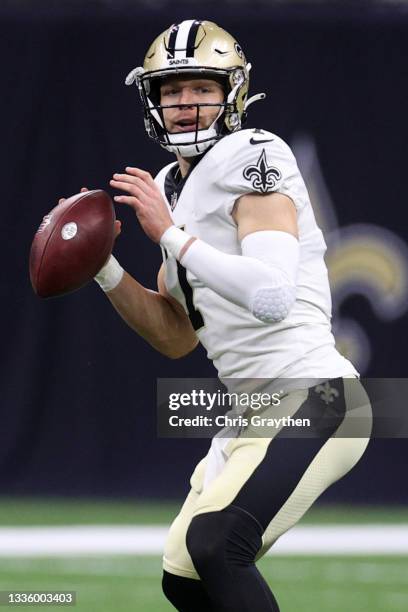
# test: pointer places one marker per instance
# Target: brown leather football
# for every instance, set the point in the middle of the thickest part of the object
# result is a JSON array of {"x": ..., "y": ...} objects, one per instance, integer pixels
[{"x": 72, "y": 243}]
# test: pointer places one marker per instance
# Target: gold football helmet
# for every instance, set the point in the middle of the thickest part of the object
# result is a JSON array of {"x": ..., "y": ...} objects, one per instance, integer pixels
[{"x": 194, "y": 48}]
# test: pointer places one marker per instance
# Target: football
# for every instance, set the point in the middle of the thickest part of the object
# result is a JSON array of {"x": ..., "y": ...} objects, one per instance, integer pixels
[{"x": 72, "y": 243}]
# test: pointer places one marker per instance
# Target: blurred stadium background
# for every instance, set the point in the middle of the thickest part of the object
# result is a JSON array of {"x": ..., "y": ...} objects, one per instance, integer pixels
[{"x": 78, "y": 444}]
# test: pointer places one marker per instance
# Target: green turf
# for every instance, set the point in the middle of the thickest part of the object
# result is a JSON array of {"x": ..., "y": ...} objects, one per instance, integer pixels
[
  {"x": 20, "y": 511},
  {"x": 307, "y": 584},
  {"x": 355, "y": 584},
  {"x": 50, "y": 511},
  {"x": 356, "y": 515}
]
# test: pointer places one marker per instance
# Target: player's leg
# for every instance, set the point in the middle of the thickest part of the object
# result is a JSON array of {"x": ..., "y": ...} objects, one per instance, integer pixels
[
  {"x": 181, "y": 584},
  {"x": 223, "y": 546},
  {"x": 264, "y": 488},
  {"x": 186, "y": 594}
]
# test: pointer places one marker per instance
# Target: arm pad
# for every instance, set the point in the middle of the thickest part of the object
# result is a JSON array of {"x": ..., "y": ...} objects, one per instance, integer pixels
[{"x": 262, "y": 280}]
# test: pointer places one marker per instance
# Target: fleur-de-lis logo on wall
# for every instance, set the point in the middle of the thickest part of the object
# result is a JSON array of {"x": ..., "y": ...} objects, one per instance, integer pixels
[
  {"x": 327, "y": 393},
  {"x": 362, "y": 259},
  {"x": 262, "y": 176}
]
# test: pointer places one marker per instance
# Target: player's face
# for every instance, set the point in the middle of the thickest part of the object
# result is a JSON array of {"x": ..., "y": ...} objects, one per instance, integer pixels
[{"x": 188, "y": 92}]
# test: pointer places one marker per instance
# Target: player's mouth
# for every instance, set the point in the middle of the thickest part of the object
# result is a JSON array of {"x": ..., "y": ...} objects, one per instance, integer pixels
[{"x": 186, "y": 125}]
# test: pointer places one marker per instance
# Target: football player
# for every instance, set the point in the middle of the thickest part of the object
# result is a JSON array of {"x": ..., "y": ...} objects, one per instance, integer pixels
[{"x": 243, "y": 273}]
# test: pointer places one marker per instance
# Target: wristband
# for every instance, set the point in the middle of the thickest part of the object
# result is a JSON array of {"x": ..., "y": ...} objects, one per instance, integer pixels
[
  {"x": 110, "y": 275},
  {"x": 174, "y": 240}
]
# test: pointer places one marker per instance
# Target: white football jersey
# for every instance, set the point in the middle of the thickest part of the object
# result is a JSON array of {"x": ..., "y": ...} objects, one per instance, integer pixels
[{"x": 302, "y": 345}]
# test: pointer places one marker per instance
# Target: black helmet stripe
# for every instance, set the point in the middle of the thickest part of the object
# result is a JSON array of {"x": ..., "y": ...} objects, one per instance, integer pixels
[
  {"x": 192, "y": 38},
  {"x": 172, "y": 41}
]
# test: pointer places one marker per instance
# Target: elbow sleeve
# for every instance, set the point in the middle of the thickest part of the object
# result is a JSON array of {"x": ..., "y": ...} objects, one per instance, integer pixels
[
  {"x": 262, "y": 280},
  {"x": 279, "y": 252}
]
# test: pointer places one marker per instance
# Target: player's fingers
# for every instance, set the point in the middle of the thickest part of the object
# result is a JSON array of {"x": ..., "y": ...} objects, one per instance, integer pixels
[
  {"x": 83, "y": 189},
  {"x": 133, "y": 180},
  {"x": 130, "y": 201},
  {"x": 131, "y": 188},
  {"x": 145, "y": 176},
  {"x": 117, "y": 228}
]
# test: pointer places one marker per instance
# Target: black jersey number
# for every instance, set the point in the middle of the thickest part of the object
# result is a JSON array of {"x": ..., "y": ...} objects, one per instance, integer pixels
[{"x": 194, "y": 315}]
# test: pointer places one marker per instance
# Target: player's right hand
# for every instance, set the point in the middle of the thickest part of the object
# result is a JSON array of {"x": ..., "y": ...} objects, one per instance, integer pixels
[{"x": 118, "y": 224}]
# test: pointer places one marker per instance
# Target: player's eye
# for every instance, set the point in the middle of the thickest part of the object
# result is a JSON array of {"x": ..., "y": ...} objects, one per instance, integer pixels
[{"x": 171, "y": 91}]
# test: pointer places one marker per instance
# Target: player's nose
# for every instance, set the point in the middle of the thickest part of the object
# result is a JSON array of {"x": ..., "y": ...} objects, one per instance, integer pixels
[{"x": 186, "y": 96}]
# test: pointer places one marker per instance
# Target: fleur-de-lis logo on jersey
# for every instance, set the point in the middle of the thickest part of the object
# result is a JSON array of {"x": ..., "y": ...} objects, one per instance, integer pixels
[
  {"x": 327, "y": 393},
  {"x": 262, "y": 176}
]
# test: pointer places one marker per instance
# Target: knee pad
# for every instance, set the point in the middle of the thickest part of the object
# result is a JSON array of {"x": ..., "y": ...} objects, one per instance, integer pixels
[{"x": 227, "y": 537}]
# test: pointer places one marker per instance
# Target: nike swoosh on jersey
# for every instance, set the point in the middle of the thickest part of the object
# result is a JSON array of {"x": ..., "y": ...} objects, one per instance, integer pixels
[{"x": 254, "y": 142}]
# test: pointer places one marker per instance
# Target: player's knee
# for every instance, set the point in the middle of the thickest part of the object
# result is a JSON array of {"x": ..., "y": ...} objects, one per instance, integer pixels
[
  {"x": 205, "y": 540},
  {"x": 227, "y": 537}
]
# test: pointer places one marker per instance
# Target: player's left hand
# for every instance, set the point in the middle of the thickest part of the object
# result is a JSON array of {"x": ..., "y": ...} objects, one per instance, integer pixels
[{"x": 145, "y": 199}]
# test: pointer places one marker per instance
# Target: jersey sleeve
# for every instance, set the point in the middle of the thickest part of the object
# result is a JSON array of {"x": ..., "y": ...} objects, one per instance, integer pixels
[{"x": 261, "y": 162}]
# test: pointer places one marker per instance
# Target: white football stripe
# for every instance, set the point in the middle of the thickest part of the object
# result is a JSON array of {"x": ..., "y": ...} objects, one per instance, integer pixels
[
  {"x": 149, "y": 540},
  {"x": 182, "y": 37}
]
